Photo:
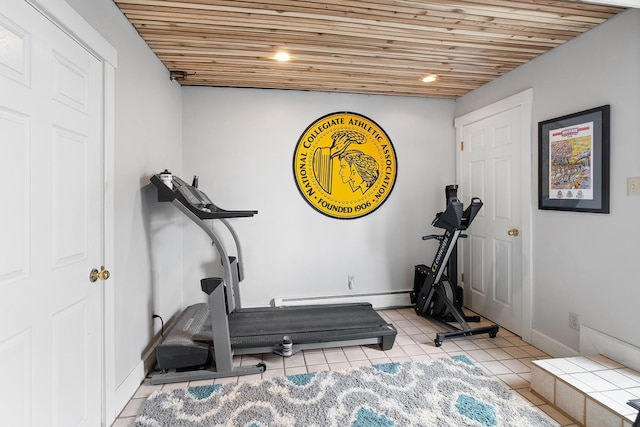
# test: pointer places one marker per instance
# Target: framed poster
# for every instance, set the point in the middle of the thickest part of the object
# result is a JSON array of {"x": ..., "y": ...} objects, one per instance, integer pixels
[{"x": 573, "y": 162}]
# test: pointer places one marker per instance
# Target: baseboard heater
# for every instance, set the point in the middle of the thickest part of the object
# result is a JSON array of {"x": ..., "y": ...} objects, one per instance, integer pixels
[
  {"x": 378, "y": 300},
  {"x": 596, "y": 342}
]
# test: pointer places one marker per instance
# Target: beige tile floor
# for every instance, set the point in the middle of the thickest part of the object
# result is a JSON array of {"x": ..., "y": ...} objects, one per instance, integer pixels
[{"x": 507, "y": 357}]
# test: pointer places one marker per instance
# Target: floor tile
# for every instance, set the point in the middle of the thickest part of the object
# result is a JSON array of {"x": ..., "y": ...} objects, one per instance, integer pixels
[
  {"x": 355, "y": 353},
  {"x": 146, "y": 389},
  {"x": 314, "y": 358},
  {"x": 516, "y": 366},
  {"x": 514, "y": 381},
  {"x": 336, "y": 356},
  {"x": 124, "y": 422},
  {"x": 339, "y": 366},
  {"x": 496, "y": 367},
  {"x": 271, "y": 373},
  {"x": 132, "y": 407}
]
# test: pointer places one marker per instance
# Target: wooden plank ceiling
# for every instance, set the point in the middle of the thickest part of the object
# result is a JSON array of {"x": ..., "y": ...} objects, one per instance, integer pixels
[{"x": 373, "y": 47}]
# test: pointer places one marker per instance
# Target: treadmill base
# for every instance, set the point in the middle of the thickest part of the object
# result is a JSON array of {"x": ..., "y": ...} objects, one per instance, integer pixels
[{"x": 174, "y": 376}]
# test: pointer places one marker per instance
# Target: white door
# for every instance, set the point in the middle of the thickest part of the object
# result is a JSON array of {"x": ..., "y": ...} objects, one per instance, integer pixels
[
  {"x": 51, "y": 163},
  {"x": 492, "y": 167}
]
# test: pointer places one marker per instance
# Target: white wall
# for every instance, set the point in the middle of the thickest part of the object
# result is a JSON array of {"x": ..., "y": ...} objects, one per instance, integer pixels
[
  {"x": 147, "y": 271},
  {"x": 585, "y": 263},
  {"x": 241, "y": 144}
]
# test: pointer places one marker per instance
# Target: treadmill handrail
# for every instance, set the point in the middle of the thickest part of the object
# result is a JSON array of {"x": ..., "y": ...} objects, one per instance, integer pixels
[
  {"x": 224, "y": 257},
  {"x": 239, "y": 255},
  {"x": 198, "y": 216}
]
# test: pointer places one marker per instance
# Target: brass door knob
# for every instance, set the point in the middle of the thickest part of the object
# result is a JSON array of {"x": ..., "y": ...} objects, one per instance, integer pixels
[
  {"x": 102, "y": 274},
  {"x": 513, "y": 232}
]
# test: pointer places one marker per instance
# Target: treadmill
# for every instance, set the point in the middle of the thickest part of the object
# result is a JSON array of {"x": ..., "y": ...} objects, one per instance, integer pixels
[{"x": 204, "y": 338}]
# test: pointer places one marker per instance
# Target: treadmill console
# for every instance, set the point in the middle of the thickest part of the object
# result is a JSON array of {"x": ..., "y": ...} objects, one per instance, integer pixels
[
  {"x": 193, "y": 199},
  {"x": 194, "y": 196}
]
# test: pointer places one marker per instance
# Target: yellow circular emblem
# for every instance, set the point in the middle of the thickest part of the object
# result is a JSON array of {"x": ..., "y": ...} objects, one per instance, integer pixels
[{"x": 345, "y": 165}]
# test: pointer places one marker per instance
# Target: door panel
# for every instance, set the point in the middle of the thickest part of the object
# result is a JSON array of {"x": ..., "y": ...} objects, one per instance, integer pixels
[
  {"x": 503, "y": 280},
  {"x": 14, "y": 162},
  {"x": 477, "y": 262},
  {"x": 15, "y": 352},
  {"x": 70, "y": 352},
  {"x": 69, "y": 208}
]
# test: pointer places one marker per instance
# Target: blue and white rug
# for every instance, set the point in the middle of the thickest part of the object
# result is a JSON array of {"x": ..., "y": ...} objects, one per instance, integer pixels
[{"x": 443, "y": 392}]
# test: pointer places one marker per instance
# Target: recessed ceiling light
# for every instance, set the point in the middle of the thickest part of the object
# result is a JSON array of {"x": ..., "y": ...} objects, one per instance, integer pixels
[
  {"x": 430, "y": 78},
  {"x": 282, "y": 56}
]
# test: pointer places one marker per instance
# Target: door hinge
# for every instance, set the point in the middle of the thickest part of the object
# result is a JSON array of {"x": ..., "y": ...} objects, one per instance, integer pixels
[
  {"x": 461, "y": 145},
  {"x": 462, "y": 277}
]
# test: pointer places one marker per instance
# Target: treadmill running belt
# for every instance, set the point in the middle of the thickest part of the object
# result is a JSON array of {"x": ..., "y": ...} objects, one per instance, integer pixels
[
  {"x": 291, "y": 320},
  {"x": 317, "y": 323}
]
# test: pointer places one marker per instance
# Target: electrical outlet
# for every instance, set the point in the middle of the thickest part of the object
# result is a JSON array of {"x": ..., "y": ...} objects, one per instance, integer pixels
[
  {"x": 633, "y": 186},
  {"x": 351, "y": 280},
  {"x": 574, "y": 321}
]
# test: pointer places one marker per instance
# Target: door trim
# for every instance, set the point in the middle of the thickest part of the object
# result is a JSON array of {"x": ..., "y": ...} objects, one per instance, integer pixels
[
  {"x": 524, "y": 100},
  {"x": 74, "y": 25}
]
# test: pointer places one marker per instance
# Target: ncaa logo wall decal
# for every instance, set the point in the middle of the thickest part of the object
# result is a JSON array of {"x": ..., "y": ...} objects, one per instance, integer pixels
[{"x": 345, "y": 165}]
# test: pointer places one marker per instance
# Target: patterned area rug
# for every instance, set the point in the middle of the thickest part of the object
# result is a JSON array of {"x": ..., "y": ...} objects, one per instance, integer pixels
[{"x": 442, "y": 392}]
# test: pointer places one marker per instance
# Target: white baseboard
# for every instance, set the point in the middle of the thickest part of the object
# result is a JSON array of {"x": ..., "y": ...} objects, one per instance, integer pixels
[
  {"x": 595, "y": 342},
  {"x": 127, "y": 388},
  {"x": 376, "y": 299},
  {"x": 550, "y": 346}
]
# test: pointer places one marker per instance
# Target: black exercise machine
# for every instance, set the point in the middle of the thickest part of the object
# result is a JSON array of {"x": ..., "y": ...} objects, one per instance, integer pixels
[
  {"x": 435, "y": 294},
  {"x": 205, "y": 337}
]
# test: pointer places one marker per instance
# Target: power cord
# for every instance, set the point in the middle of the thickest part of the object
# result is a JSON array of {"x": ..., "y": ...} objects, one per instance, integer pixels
[{"x": 162, "y": 322}]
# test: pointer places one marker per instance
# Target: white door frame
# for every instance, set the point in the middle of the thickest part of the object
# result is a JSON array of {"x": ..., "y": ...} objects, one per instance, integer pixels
[
  {"x": 524, "y": 100},
  {"x": 69, "y": 21}
]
